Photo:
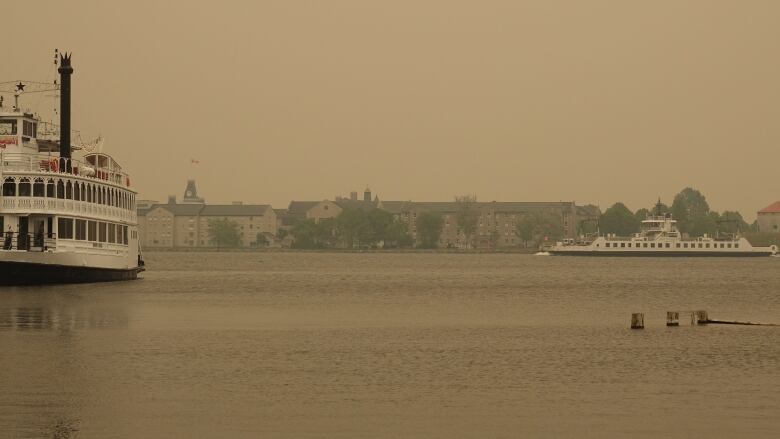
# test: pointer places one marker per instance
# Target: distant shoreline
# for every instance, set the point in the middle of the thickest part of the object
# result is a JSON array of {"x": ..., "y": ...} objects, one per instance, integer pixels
[{"x": 334, "y": 250}]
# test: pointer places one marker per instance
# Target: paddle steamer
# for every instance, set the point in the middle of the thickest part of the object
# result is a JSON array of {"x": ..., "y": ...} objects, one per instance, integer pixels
[
  {"x": 659, "y": 236},
  {"x": 64, "y": 219}
]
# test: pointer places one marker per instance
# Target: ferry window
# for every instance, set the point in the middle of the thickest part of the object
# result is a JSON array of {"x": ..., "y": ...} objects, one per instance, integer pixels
[
  {"x": 9, "y": 187},
  {"x": 736, "y": 245},
  {"x": 88, "y": 190},
  {"x": 8, "y": 127},
  {"x": 622, "y": 244},
  {"x": 124, "y": 234},
  {"x": 722, "y": 245},
  {"x": 92, "y": 231},
  {"x": 652, "y": 245},
  {"x": 101, "y": 232},
  {"x": 81, "y": 230},
  {"x": 729, "y": 246},
  {"x": 608, "y": 244},
  {"x": 685, "y": 245},
  {"x": 99, "y": 198},
  {"x": 76, "y": 191},
  {"x": 678, "y": 245},
  {"x": 39, "y": 189},
  {"x": 668, "y": 245},
  {"x": 60, "y": 189},
  {"x": 50, "y": 191},
  {"x": 25, "y": 188},
  {"x": 69, "y": 190},
  {"x": 65, "y": 228},
  {"x": 111, "y": 232},
  {"x": 644, "y": 245}
]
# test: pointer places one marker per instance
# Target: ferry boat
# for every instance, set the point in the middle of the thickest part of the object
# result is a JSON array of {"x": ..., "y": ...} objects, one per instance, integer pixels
[
  {"x": 659, "y": 236},
  {"x": 64, "y": 219}
]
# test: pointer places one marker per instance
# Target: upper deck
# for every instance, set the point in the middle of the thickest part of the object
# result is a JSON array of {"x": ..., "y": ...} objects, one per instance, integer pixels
[{"x": 95, "y": 187}]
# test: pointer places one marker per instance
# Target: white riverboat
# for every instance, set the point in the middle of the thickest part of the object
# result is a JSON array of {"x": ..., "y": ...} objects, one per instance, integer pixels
[
  {"x": 64, "y": 219},
  {"x": 659, "y": 236}
]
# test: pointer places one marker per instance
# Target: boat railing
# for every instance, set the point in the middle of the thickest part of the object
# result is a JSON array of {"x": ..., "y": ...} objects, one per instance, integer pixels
[
  {"x": 30, "y": 242},
  {"x": 47, "y": 163}
]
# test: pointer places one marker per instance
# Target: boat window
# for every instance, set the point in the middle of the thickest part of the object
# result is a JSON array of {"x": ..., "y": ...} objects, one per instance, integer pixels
[
  {"x": 60, "y": 189},
  {"x": 722, "y": 245},
  {"x": 678, "y": 245},
  {"x": 25, "y": 188},
  {"x": 622, "y": 244},
  {"x": 99, "y": 198},
  {"x": 729, "y": 246},
  {"x": 50, "y": 189},
  {"x": 76, "y": 191},
  {"x": 608, "y": 244},
  {"x": 92, "y": 231},
  {"x": 69, "y": 190},
  {"x": 9, "y": 187},
  {"x": 644, "y": 245},
  {"x": 111, "y": 232},
  {"x": 39, "y": 189},
  {"x": 652, "y": 245},
  {"x": 707, "y": 245},
  {"x": 685, "y": 245},
  {"x": 668, "y": 245},
  {"x": 736, "y": 245},
  {"x": 124, "y": 234},
  {"x": 7, "y": 127},
  {"x": 89, "y": 193},
  {"x": 81, "y": 230},
  {"x": 65, "y": 228},
  {"x": 101, "y": 232}
]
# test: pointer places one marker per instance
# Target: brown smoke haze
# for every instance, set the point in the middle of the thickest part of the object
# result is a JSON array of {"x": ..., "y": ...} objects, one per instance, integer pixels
[{"x": 593, "y": 101}]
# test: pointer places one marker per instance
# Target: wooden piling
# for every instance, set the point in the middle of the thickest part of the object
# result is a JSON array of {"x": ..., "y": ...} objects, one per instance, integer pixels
[
  {"x": 672, "y": 318},
  {"x": 637, "y": 320}
]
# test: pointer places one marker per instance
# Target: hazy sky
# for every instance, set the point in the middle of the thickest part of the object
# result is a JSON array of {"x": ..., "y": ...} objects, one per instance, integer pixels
[{"x": 592, "y": 101}]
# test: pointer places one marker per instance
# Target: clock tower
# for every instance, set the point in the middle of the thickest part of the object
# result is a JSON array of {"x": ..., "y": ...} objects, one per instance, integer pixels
[{"x": 191, "y": 194}]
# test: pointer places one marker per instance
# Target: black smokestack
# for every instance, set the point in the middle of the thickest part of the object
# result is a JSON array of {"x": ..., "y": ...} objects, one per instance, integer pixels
[{"x": 65, "y": 71}]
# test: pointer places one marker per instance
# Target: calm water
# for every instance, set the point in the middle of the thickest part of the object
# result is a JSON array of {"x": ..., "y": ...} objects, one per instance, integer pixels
[{"x": 290, "y": 345}]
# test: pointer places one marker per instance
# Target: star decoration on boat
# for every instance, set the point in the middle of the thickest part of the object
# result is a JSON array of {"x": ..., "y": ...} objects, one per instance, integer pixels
[{"x": 20, "y": 86}]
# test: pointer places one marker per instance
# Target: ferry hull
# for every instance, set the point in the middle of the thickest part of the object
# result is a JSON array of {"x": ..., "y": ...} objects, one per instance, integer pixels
[
  {"x": 661, "y": 253},
  {"x": 25, "y": 273}
]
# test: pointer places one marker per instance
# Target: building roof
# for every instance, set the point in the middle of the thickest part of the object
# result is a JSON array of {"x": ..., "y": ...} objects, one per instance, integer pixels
[
  {"x": 772, "y": 208},
  {"x": 180, "y": 209},
  {"x": 300, "y": 207},
  {"x": 451, "y": 206},
  {"x": 235, "y": 209},
  {"x": 346, "y": 203}
]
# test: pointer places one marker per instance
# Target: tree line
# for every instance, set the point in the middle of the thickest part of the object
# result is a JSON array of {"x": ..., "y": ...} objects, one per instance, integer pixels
[{"x": 690, "y": 209}]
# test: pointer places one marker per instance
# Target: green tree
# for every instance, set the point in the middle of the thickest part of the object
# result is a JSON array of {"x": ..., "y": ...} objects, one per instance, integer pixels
[
  {"x": 619, "y": 220},
  {"x": 429, "y": 225},
  {"x": 261, "y": 240},
  {"x": 308, "y": 234},
  {"x": 467, "y": 216},
  {"x": 354, "y": 228},
  {"x": 224, "y": 233},
  {"x": 731, "y": 222},
  {"x": 690, "y": 209},
  {"x": 539, "y": 226},
  {"x": 642, "y": 214}
]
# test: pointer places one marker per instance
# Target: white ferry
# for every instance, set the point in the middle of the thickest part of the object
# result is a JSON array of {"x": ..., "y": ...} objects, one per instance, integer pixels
[
  {"x": 64, "y": 219},
  {"x": 659, "y": 236}
]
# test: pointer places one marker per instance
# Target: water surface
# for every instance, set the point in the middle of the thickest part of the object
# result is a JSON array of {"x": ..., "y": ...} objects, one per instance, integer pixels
[{"x": 297, "y": 345}]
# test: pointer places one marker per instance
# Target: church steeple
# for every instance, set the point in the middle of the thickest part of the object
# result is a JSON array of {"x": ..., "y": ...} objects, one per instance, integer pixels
[{"x": 191, "y": 194}]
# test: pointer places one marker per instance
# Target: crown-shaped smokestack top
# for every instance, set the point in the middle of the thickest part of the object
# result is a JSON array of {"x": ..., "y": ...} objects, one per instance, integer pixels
[{"x": 65, "y": 71}]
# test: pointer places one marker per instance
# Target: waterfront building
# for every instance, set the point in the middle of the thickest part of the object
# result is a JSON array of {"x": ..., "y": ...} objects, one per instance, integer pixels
[
  {"x": 769, "y": 218},
  {"x": 186, "y": 224}
]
